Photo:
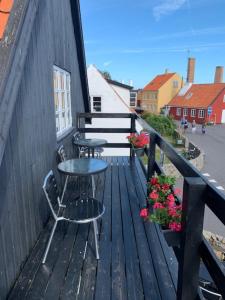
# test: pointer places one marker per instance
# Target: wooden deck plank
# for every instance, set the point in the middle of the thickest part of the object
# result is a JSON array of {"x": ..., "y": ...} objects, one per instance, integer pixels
[
  {"x": 103, "y": 276},
  {"x": 119, "y": 287},
  {"x": 133, "y": 277}
]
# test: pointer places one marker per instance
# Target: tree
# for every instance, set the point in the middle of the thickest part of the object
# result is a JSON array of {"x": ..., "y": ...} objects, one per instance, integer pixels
[{"x": 106, "y": 74}]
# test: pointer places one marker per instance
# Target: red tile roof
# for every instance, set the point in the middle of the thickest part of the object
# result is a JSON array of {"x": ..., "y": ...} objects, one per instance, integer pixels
[
  {"x": 198, "y": 96},
  {"x": 5, "y": 8},
  {"x": 158, "y": 81}
]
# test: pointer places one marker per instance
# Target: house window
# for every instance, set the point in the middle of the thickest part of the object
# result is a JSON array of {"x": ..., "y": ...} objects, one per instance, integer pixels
[
  {"x": 97, "y": 104},
  {"x": 193, "y": 112},
  {"x": 133, "y": 96},
  {"x": 175, "y": 84},
  {"x": 185, "y": 112},
  {"x": 178, "y": 111},
  {"x": 224, "y": 98},
  {"x": 62, "y": 99},
  {"x": 201, "y": 113}
]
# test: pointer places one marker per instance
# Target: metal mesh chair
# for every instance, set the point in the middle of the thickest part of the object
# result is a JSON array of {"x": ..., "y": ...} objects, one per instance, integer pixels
[
  {"x": 83, "y": 151},
  {"x": 62, "y": 156},
  {"x": 78, "y": 211}
]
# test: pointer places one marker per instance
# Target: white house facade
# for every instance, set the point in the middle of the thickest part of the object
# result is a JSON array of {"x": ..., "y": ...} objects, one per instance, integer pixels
[{"x": 108, "y": 98}]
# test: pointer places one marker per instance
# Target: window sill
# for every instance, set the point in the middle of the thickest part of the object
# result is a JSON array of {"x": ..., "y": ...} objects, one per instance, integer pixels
[{"x": 65, "y": 134}]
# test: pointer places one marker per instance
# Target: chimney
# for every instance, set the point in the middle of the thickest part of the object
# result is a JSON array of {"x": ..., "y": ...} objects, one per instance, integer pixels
[
  {"x": 191, "y": 70},
  {"x": 166, "y": 71},
  {"x": 218, "y": 75}
]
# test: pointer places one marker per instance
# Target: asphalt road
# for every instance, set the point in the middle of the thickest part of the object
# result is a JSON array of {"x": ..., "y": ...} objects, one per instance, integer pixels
[{"x": 213, "y": 145}]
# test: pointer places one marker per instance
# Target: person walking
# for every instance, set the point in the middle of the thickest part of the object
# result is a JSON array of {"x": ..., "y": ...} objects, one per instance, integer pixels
[
  {"x": 203, "y": 128},
  {"x": 185, "y": 125},
  {"x": 193, "y": 127}
]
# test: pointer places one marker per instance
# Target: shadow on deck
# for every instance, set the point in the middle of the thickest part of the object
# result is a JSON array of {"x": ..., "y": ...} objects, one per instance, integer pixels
[{"x": 135, "y": 261}]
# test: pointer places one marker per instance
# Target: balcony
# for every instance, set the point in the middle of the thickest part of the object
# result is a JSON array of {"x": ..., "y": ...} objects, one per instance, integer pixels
[{"x": 135, "y": 260}]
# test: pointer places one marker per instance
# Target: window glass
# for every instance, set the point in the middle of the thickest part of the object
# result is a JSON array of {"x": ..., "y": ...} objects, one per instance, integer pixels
[
  {"x": 97, "y": 104},
  {"x": 62, "y": 100}
]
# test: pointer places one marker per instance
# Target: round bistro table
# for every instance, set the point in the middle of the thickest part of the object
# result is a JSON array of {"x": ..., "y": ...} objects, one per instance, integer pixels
[{"x": 91, "y": 144}]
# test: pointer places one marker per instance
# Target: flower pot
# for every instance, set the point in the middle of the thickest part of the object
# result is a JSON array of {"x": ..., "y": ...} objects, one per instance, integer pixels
[
  {"x": 138, "y": 151},
  {"x": 172, "y": 237}
]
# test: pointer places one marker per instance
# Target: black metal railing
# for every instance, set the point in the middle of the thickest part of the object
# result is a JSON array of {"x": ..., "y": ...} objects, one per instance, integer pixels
[{"x": 197, "y": 192}]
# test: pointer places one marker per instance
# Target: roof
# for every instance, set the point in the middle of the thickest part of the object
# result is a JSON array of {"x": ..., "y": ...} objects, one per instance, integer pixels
[
  {"x": 13, "y": 52},
  {"x": 114, "y": 82},
  {"x": 198, "y": 96},
  {"x": 5, "y": 8},
  {"x": 158, "y": 82}
]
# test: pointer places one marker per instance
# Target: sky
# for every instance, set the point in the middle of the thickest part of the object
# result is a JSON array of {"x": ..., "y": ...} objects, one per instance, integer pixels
[{"x": 137, "y": 40}]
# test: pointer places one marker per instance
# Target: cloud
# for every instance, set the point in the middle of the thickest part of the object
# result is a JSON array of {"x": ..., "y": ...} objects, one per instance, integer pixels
[
  {"x": 167, "y": 7},
  {"x": 107, "y": 63}
]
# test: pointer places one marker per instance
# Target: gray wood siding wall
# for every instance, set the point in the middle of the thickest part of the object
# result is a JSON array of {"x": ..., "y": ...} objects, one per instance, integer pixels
[{"x": 31, "y": 146}]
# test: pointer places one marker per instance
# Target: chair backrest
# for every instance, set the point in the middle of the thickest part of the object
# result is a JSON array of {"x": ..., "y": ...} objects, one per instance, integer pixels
[
  {"x": 62, "y": 153},
  {"x": 76, "y": 136},
  {"x": 52, "y": 193}
]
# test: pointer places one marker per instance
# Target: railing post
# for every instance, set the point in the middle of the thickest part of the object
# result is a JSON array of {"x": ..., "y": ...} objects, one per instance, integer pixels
[
  {"x": 132, "y": 130},
  {"x": 151, "y": 155},
  {"x": 191, "y": 238}
]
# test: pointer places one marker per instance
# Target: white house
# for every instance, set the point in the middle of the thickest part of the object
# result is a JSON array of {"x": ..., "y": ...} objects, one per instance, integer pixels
[{"x": 109, "y": 96}]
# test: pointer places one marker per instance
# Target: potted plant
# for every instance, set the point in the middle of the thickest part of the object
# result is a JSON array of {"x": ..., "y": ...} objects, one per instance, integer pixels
[
  {"x": 163, "y": 207},
  {"x": 138, "y": 142}
]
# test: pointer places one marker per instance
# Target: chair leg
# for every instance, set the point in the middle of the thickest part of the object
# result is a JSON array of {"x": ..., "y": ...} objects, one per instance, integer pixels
[
  {"x": 64, "y": 188},
  {"x": 49, "y": 242},
  {"x": 93, "y": 185},
  {"x": 96, "y": 238}
]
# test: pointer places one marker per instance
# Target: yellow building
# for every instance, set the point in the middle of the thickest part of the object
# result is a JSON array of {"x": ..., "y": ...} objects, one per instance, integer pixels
[{"x": 157, "y": 93}]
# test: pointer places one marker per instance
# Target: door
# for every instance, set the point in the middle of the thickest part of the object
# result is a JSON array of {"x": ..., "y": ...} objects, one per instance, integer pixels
[{"x": 223, "y": 116}]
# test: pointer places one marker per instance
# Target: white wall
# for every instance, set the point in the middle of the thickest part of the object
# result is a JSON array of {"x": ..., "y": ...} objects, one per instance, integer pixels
[
  {"x": 111, "y": 103},
  {"x": 123, "y": 93}
]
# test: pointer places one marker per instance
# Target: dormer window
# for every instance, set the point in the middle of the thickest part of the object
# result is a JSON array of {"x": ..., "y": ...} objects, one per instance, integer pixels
[{"x": 188, "y": 96}]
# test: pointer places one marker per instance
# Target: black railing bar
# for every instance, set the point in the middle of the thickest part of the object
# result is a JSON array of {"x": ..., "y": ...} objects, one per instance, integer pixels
[
  {"x": 116, "y": 145},
  {"x": 104, "y": 130},
  {"x": 215, "y": 268},
  {"x": 105, "y": 115}
]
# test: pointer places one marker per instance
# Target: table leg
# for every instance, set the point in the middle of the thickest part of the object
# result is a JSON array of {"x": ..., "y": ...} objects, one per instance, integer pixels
[{"x": 93, "y": 185}]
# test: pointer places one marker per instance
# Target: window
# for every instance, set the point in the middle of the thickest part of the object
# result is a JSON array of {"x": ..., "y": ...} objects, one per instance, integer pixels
[
  {"x": 185, "y": 112},
  {"x": 201, "y": 113},
  {"x": 97, "y": 104},
  {"x": 224, "y": 98},
  {"x": 175, "y": 84},
  {"x": 62, "y": 99},
  {"x": 178, "y": 111},
  {"x": 133, "y": 96},
  {"x": 193, "y": 112}
]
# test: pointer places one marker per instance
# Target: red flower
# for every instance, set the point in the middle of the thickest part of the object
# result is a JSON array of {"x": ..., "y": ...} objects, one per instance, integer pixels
[
  {"x": 158, "y": 205},
  {"x": 171, "y": 198},
  {"x": 144, "y": 213},
  {"x": 153, "y": 195},
  {"x": 154, "y": 181},
  {"x": 165, "y": 186}
]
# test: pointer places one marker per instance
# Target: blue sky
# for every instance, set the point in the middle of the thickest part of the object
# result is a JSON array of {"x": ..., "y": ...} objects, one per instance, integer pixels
[{"x": 139, "y": 39}]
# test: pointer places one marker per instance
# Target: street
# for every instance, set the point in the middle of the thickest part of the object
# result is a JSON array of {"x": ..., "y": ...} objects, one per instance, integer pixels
[{"x": 213, "y": 145}]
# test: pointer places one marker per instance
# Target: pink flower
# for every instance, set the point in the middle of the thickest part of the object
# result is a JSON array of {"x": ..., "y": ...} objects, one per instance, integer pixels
[
  {"x": 144, "y": 213},
  {"x": 171, "y": 198},
  {"x": 158, "y": 205},
  {"x": 177, "y": 191},
  {"x": 175, "y": 226},
  {"x": 165, "y": 186},
  {"x": 153, "y": 195},
  {"x": 153, "y": 181}
]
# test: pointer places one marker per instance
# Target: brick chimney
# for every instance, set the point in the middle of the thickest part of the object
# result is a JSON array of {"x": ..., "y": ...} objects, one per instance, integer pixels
[
  {"x": 218, "y": 75},
  {"x": 191, "y": 70}
]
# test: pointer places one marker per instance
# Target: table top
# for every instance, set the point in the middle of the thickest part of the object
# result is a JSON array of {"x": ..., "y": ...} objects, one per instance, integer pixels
[
  {"x": 82, "y": 166},
  {"x": 91, "y": 143}
]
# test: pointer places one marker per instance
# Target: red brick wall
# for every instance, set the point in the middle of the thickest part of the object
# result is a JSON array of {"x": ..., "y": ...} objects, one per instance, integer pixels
[
  {"x": 217, "y": 108},
  {"x": 198, "y": 120}
]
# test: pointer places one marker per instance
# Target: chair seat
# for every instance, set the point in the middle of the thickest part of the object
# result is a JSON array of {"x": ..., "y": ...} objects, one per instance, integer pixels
[{"x": 83, "y": 210}]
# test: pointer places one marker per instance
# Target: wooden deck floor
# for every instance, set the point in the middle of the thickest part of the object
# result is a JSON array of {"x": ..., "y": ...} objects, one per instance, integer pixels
[{"x": 135, "y": 262}]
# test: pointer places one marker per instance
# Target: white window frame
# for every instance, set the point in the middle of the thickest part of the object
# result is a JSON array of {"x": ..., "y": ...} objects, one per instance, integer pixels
[
  {"x": 201, "y": 113},
  {"x": 93, "y": 109},
  {"x": 178, "y": 111},
  {"x": 62, "y": 100},
  {"x": 185, "y": 112},
  {"x": 223, "y": 98},
  {"x": 193, "y": 112}
]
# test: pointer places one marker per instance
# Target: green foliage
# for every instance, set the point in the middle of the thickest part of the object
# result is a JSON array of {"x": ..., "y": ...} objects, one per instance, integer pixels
[{"x": 164, "y": 125}]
